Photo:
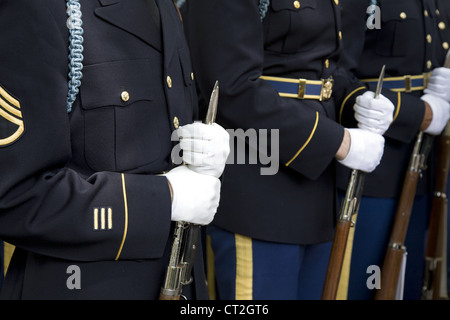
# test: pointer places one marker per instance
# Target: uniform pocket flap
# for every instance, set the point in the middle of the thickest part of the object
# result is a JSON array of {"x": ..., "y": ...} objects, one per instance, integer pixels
[
  {"x": 117, "y": 83},
  {"x": 397, "y": 10},
  {"x": 291, "y": 5}
]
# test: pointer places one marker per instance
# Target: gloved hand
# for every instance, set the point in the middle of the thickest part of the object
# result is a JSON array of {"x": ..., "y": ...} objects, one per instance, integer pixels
[
  {"x": 195, "y": 196},
  {"x": 439, "y": 83},
  {"x": 440, "y": 109},
  {"x": 366, "y": 150},
  {"x": 205, "y": 147},
  {"x": 373, "y": 114}
]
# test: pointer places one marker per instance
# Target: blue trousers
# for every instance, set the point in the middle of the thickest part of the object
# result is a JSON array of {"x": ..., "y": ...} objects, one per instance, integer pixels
[
  {"x": 2, "y": 264},
  {"x": 247, "y": 269},
  {"x": 373, "y": 228}
]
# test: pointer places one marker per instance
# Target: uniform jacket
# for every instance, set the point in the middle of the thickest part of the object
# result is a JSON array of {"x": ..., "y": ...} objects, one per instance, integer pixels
[
  {"x": 229, "y": 43},
  {"x": 409, "y": 42},
  {"x": 84, "y": 188}
]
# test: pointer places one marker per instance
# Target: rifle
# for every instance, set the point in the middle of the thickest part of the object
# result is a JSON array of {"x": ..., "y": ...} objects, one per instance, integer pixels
[
  {"x": 185, "y": 237},
  {"x": 396, "y": 248},
  {"x": 349, "y": 209},
  {"x": 435, "y": 277}
]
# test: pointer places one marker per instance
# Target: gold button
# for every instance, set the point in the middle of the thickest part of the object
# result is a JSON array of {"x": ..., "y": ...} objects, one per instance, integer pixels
[
  {"x": 192, "y": 76},
  {"x": 429, "y": 64},
  {"x": 176, "y": 122},
  {"x": 125, "y": 96},
  {"x": 445, "y": 45},
  {"x": 169, "y": 81},
  {"x": 441, "y": 25},
  {"x": 327, "y": 63},
  {"x": 336, "y": 1},
  {"x": 425, "y": 12},
  {"x": 403, "y": 15},
  {"x": 296, "y": 4},
  {"x": 437, "y": 12},
  {"x": 340, "y": 35},
  {"x": 429, "y": 38}
]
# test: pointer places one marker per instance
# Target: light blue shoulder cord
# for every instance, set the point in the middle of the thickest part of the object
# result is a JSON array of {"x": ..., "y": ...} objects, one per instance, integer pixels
[
  {"x": 263, "y": 6},
  {"x": 180, "y": 3},
  {"x": 74, "y": 24}
]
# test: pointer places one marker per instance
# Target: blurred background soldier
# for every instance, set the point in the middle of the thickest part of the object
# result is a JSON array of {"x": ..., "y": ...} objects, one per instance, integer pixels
[
  {"x": 442, "y": 45},
  {"x": 405, "y": 40}
]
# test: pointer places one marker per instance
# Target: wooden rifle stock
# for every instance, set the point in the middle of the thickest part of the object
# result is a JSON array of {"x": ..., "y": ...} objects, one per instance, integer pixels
[
  {"x": 336, "y": 260},
  {"x": 435, "y": 276},
  {"x": 349, "y": 207},
  {"x": 394, "y": 254}
]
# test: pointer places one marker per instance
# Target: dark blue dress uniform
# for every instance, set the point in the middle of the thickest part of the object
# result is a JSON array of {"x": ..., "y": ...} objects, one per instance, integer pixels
[
  {"x": 405, "y": 43},
  {"x": 83, "y": 188},
  {"x": 258, "y": 59}
]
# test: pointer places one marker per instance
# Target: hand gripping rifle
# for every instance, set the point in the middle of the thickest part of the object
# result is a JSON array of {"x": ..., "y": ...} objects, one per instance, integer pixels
[
  {"x": 435, "y": 277},
  {"x": 349, "y": 209},
  {"x": 396, "y": 250},
  {"x": 185, "y": 238}
]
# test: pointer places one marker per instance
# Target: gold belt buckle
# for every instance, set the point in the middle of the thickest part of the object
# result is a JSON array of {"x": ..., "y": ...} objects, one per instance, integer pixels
[
  {"x": 408, "y": 83},
  {"x": 327, "y": 89},
  {"x": 301, "y": 88}
]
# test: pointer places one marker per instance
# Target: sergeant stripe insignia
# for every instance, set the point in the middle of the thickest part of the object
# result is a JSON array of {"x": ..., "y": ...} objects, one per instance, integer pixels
[
  {"x": 11, "y": 120},
  {"x": 102, "y": 218}
]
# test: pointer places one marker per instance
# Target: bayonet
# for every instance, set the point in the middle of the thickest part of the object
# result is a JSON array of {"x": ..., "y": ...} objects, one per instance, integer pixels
[{"x": 212, "y": 107}]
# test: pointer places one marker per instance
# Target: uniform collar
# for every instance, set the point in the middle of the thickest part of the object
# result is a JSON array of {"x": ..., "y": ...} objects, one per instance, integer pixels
[{"x": 136, "y": 22}]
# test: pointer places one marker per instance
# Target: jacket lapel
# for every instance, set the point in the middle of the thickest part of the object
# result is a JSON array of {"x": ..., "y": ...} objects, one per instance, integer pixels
[
  {"x": 133, "y": 19},
  {"x": 169, "y": 24}
]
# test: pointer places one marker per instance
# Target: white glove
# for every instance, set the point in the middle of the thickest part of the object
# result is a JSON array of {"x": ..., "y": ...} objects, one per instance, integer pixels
[
  {"x": 366, "y": 150},
  {"x": 373, "y": 114},
  {"x": 440, "y": 109},
  {"x": 439, "y": 83},
  {"x": 205, "y": 147},
  {"x": 195, "y": 196}
]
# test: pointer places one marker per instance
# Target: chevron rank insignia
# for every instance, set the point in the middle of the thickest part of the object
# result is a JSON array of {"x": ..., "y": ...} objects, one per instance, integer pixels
[{"x": 11, "y": 120}]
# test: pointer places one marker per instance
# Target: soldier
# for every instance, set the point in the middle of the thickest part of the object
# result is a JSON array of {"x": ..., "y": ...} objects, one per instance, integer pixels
[
  {"x": 442, "y": 46},
  {"x": 88, "y": 189},
  {"x": 275, "y": 61},
  {"x": 402, "y": 37}
]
